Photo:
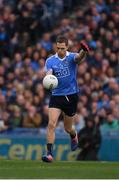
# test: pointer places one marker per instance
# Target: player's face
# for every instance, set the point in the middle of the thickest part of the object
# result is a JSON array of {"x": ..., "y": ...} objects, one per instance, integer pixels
[{"x": 61, "y": 49}]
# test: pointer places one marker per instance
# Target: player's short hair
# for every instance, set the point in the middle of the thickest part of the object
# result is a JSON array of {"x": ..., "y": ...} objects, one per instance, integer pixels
[{"x": 62, "y": 39}]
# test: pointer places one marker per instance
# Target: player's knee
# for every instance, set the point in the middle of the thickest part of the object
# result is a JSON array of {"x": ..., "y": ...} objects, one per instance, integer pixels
[{"x": 51, "y": 126}]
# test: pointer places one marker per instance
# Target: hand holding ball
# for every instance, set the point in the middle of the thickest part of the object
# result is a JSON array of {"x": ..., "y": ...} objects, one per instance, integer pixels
[{"x": 50, "y": 81}]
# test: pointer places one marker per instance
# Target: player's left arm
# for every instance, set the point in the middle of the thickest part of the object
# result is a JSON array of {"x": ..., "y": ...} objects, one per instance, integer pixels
[{"x": 80, "y": 57}]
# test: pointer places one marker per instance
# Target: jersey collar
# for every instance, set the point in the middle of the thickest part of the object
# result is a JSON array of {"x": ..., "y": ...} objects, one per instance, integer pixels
[{"x": 67, "y": 54}]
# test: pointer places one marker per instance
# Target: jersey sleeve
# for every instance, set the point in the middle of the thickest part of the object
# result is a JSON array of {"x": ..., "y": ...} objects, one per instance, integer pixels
[
  {"x": 48, "y": 65},
  {"x": 73, "y": 55}
]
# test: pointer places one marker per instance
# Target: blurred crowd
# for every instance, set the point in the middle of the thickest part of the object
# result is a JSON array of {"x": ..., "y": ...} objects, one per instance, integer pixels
[{"x": 28, "y": 30}]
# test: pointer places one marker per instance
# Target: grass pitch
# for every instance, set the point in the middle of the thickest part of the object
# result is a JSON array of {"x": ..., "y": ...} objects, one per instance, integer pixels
[{"x": 19, "y": 169}]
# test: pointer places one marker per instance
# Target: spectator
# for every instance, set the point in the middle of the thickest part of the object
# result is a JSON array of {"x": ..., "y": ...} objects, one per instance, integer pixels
[
  {"x": 4, "y": 121},
  {"x": 16, "y": 117},
  {"x": 111, "y": 123},
  {"x": 89, "y": 141},
  {"x": 32, "y": 119}
]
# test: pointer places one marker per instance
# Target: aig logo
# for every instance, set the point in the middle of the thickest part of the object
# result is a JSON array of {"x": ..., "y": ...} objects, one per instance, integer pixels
[{"x": 62, "y": 72}]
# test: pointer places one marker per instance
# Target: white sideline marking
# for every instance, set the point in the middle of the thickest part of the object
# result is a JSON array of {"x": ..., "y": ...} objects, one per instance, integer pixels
[
  {"x": 38, "y": 167},
  {"x": 13, "y": 178}
]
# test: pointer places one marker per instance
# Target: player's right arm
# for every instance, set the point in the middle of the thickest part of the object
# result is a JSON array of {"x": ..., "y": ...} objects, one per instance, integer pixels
[
  {"x": 49, "y": 72},
  {"x": 48, "y": 67}
]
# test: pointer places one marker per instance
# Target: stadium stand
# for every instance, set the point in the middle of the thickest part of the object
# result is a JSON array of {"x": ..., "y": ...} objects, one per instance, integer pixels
[{"x": 28, "y": 30}]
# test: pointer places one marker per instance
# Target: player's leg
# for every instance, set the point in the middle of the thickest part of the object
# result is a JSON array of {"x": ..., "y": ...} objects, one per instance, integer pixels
[
  {"x": 70, "y": 111},
  {"x": 54, "y": 114},
  {"x": 68, "y": 126}
]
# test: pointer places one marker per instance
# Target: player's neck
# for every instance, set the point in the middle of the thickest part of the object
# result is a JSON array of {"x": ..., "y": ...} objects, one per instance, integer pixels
[{"x": 61, "y": 56}]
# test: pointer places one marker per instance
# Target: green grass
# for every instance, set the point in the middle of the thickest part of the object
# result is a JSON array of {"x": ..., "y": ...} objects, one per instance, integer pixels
[{"x": 60, "y": 169}]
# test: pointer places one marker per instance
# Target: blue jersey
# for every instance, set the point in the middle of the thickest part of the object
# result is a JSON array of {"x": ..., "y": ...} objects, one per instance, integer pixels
[{"x": 65, "y": 70}]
